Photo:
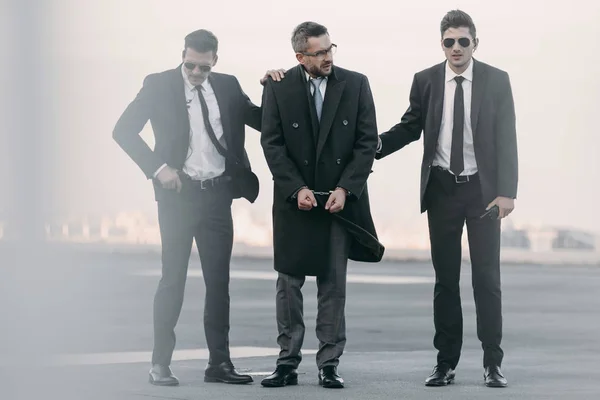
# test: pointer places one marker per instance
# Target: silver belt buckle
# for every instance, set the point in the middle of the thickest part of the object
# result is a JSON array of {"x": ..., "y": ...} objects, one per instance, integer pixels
[
  {"x": 203, "y": 184},
  {"x": 461, "y": 179}
]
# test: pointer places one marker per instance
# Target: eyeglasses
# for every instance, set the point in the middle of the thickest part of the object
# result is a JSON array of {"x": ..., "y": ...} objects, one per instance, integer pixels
[
  {"x": 322, "y": 53},
  {"x": 192, "y": 66},
  {"x": 463, "y": 41}
]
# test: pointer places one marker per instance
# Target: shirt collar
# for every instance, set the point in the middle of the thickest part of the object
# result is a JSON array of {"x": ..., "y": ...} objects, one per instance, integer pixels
[
  {"x": 308, "y": 77},
  {"x": 468, "y": 74}
]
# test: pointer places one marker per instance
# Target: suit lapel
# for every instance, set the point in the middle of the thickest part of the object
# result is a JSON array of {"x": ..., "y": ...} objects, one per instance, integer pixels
[
  {"x": 179, "y": 102},
  {"x": 223, "y": 102},
  {"x": 479, "y": 83},
  {"x": 438, "y": 85},
  {"x": 333, "y": 94}
]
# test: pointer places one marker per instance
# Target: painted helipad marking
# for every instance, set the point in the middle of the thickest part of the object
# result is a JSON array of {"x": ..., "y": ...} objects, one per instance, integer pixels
[
  {"x": 131, "y": 357},
  {"x": 272, "y": 276}
]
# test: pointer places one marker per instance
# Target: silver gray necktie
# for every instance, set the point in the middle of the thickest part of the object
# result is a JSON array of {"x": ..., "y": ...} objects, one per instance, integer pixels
[{"x": 318, "y": 98}]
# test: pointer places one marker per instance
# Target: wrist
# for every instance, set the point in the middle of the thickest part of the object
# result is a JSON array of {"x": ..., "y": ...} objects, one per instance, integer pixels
[
  {"x": 342, "y": 189},
  {"x": 295, "y": 194}
]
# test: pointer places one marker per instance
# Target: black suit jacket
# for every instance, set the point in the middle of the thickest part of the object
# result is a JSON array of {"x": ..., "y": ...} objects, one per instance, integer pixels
[
  {"x": 162, "y": 101},
  {"x": 492, "y": 122},
  {"x": 337, "y": 152}
]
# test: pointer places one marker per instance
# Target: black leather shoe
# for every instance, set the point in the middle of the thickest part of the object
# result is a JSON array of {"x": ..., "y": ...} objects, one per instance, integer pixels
[
  {"x": 442, "y": 375},
  {"x": 225, "y": 373},
  {"x": 494, "y": 378},
  {"x": 161, "y": 375},
  {"x": 284, "y": 375},
  {"x": 329, "y": 378}
]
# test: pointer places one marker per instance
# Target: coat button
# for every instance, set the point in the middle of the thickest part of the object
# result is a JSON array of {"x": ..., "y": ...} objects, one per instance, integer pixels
[
  {"x": 338, "y": 161},
  {"x": 345, "y": 122},
  {"x": 295, "y": 125},
  {"x": 305, "y": 162}
]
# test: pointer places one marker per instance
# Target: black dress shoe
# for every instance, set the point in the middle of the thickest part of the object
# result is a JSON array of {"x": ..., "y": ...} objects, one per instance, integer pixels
[
  {"x": 442, "y": 375},
  {"x": 284, "y": 375},
  {"x": 329, "y": 378},
  {"x": 225, "y": 373},
  {"x": 494, "y": 378},
  {"x": 161, "y": 375}
]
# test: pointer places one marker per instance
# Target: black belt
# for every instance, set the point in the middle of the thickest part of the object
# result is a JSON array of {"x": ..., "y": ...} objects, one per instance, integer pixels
[
  {"x": 204, "y": 184},
  {"x": 457, "y": 178}
]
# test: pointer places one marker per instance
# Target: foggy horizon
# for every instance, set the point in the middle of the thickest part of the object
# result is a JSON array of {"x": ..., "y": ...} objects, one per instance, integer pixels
[{"x": 106, "y": 50}]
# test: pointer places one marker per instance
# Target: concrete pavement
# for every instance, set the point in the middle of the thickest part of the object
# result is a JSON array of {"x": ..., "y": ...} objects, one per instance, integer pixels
[{"x": 78, "y": 325}]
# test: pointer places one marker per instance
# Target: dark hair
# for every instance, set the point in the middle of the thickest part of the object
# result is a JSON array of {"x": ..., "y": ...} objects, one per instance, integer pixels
[
  {"x": 202, "y": 41},
  {"x": 458, "y": 19},
  {"x": 303, "y": 32}
]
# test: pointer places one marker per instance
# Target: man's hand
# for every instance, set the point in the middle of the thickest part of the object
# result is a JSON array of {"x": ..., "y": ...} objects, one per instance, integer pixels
[
  {"x": 275, "y": 74},
  {"x": 505, "y": 206},
  {"x": 306, "y": 199},
  {"x": 169, "y": 179},
  {"x": 336, "y": 200}
]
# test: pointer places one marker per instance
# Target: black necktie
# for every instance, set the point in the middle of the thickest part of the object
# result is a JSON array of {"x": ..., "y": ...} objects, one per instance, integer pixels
[
  {"x": 211, "y": 133},
  {"x": 457, "y": 162}
]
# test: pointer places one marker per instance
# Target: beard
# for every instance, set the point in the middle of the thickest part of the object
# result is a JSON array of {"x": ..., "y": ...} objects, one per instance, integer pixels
[{"x": 318, "y": 70}]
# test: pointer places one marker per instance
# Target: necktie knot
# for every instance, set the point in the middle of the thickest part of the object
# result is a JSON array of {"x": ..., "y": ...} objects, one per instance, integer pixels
[
  {"x": 459, "y": 79},
  {"x": 199, "y": 88},
  {"x": 316, "y": 82}
]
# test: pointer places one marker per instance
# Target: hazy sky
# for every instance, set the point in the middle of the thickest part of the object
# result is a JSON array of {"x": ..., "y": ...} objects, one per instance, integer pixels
[{"x": 550, "y": 49}]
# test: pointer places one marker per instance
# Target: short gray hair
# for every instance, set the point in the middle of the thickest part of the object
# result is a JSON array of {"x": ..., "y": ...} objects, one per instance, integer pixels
[{"x": 303, "y": 32}]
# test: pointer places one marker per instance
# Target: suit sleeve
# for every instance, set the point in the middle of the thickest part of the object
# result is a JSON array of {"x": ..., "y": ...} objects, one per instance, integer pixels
[
  {"x": 127, "y": 130},
  {"x": 408, "y": 130},
  {"x": 506, "y": 142},
  {"x": 252, "y": 112},
  {"x": 357, "y": 171},
  {"x": 284, "y": 171}
]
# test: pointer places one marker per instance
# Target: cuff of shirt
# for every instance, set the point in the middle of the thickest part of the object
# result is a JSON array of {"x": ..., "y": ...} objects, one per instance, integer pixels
[{"x": 158, "y": 170}]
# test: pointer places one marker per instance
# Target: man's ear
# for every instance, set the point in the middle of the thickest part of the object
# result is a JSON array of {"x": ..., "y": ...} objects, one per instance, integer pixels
[{"x": 215, "y": 60}]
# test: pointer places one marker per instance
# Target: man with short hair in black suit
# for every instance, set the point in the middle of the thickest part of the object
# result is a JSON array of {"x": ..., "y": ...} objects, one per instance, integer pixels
[
  {"x": 198, "y": 166},
  {"x": 469, "y": 174}
]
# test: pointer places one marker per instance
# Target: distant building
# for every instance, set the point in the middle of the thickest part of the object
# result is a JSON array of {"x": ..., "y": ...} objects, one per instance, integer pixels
[
  {"x": 553, "y": 239},
  {"x": 516, "y": 238},
  {"x": 573, "y": 239}
]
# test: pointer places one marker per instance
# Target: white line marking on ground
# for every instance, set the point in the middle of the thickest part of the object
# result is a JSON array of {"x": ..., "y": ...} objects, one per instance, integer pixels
[
  {"x": 272, "y": 276},
  {"x": 131, "y": 357},
  {"x": 258, "y": 373}
]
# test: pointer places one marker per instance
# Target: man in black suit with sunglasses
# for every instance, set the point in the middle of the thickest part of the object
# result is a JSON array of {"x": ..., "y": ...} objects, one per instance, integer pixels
[
  {"x": 469, "y": 174},
  {"x": 198, "y": 166}
]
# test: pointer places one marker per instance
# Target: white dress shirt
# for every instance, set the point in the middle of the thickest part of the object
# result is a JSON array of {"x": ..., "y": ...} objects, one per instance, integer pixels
[
  {"x": 203, "y": 160},
  {"x": 322, "y": 86},
  {"x": 444, "y": 145}
]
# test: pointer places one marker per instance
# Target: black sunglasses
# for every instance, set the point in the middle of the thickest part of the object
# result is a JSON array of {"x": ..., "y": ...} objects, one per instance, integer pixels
[
  {"x": 463, "y": 41},
  {"x": 203, "y": 68}
]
